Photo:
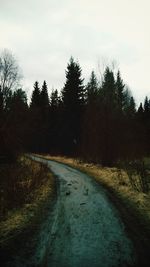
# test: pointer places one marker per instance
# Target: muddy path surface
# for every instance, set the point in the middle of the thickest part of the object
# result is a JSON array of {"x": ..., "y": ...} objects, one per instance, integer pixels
[{"x": 86, "y": 230}]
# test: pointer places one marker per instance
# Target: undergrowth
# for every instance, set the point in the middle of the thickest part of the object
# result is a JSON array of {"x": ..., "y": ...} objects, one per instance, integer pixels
[{"x": 25, "y": 186}]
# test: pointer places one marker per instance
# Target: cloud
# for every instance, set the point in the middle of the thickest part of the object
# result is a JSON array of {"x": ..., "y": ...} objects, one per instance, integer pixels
[{"x": 44, "y": 34}]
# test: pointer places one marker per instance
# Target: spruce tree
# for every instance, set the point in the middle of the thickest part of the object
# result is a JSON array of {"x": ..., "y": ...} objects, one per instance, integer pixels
[
  {"x": 131, "y": 109},
  {"x": 140, "y": 112},
  {"x": 108, "y": 92},
  {"x": 20, "y": 98},
  {"x": 35, "y": 98},
  {"x": 44, "y": 98},
  {"x": 44, "y": 128},
  {"x": 92, "y": 88},
  {"x": 108, "y": 119},
  {"x": 54, "y": 99},
  {"x": 140, "y": 131},
  {"x": 90, "y": 127},
  {"x": 73, "y": 93},
  {"x": 35, "y": 119},
  {"x": 146, "y": 107},
  {"x": 146, "y": 121},
  {"x": 73, "y": 98},
  {"x": 56, "y": 123},
  {"x": 120, "y": 92}
]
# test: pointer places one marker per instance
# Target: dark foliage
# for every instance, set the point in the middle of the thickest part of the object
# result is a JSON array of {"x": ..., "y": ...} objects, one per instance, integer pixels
[
  {"x": 73, "y": 101},
  {"x": 13, "y": 126},
  {"x": 98, "y": 122}
]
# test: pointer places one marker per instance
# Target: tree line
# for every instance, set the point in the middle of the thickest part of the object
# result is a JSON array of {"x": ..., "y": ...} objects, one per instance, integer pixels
[{"x": 98, "y": 122}]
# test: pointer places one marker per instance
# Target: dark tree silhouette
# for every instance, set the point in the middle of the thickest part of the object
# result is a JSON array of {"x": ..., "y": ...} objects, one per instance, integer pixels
[
  {"x": 44, "y": 98},
  {"x": 54, "y": 100},
  {"x": 90, "y": 126},
  {"x": 9, "y": 79},
  {"x": 120, "y": 93},
  {"x": 108, "y": 118},
  {"x": 35, "y": 119},
  {"x": 140, "y": 111},
  {"x": 35, "y": 98},
  {"x": 44, "y": 115},
  {"x": 55, "y": 123},
  {"x": 98, "y": 122},
  {"x": 73, "y": 98},
  {"x": 146, "y": 121},
  {"x": 92, "y": 89},
  {"x": 131, "y": 108},
  {"x": 14, "y": 122}
]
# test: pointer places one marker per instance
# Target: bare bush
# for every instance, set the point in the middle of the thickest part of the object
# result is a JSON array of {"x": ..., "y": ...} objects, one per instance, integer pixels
[
  {"x": 19, "y": 182},
  {"x": 138, "y": 175}
]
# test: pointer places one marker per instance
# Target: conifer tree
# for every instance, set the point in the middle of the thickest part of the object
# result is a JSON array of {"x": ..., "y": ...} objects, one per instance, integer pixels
[
  {"x": 131, "y": 109},
  {"x": 90, "y": 127},
  {"x": 56, "y": 123},
  {"x": 92, "y": 88},
  {"x": 140, "y": 131},
  {"x": 44, "y": 118},
  {"x": 146, "y": 107},
  {"x": 54, "y": 100},
  {"x": 108, "y": 119},
  {"x": 19, "y": 98},
  {"x": 35, "y": 119},
  {"x": 44, "y": 98},
  {"x": 140, "y": 112},
  {"x": 120, "y": 92},
  {"x": 73, "y": 93},
  {"x": 108, "y": 92},
  {"x": 146, "y": 121},
  {"x": 35, "y": 98},
  {"x": 73, "y": 98}
]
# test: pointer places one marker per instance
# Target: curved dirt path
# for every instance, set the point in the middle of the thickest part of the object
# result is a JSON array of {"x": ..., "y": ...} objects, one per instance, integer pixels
[{"x": 87, "y": 230}]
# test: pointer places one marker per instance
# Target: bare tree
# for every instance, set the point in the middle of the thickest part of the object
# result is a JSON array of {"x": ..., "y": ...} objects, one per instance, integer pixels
[
  {"x": 9, "y": 73},
  {"x": 103, "y": 63},
  {"x": 9, "y": 125}
]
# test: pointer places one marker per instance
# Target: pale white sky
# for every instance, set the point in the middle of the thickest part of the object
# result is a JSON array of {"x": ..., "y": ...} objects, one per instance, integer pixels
[{"x": 43, "y": 34}]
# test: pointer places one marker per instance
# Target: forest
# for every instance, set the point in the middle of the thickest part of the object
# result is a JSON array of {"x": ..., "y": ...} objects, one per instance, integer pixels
[
  {"x": 98, "y": 122},
  {"x": 95, "y": 127}
]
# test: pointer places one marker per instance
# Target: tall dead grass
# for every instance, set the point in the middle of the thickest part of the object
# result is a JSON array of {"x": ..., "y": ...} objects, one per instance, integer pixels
[{"x": 25, "y": 187}]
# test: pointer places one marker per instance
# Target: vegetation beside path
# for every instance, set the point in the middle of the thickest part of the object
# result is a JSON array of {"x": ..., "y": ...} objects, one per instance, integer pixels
[{"x": 26, "y": 187}]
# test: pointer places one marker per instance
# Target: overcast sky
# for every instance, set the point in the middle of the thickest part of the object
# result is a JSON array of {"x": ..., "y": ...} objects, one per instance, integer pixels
[{"x": 43, "y": 34}]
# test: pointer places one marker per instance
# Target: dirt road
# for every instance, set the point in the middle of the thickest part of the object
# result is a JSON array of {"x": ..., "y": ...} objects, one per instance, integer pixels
[{"x": 86, "y": 230}]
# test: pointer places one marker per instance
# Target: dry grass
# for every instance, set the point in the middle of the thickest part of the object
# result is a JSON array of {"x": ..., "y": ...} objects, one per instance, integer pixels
[{"x": 37, "y": 185}]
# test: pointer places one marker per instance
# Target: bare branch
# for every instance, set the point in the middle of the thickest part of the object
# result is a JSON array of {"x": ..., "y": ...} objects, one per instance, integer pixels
[{"x": 9, "y": 73}]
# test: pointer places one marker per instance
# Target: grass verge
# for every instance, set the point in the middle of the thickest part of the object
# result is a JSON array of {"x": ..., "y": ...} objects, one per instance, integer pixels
[{"x": 26, "y": 188}]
